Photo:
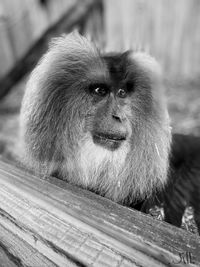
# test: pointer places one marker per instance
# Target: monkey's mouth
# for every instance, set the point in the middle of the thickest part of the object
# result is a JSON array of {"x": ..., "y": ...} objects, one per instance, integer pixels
[{"x": 109, "y": 140}]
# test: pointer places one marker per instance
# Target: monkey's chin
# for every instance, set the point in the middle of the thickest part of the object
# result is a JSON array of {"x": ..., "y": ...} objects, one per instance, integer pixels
[{"x": 108, "y": 141}]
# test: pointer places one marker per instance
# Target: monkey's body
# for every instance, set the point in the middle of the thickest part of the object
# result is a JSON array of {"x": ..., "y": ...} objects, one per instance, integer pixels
[
  {"x": 101, "y": 122},
  {"x": 97, "y": 121}
]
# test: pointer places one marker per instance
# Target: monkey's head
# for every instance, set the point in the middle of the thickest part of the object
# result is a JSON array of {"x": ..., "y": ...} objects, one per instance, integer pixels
[{"x": 99, "y": 121}]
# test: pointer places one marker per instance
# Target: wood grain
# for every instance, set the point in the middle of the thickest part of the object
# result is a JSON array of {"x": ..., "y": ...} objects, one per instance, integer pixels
[
  {"x": 66, "y": 223},
  {"x": 14, "y": 252}
]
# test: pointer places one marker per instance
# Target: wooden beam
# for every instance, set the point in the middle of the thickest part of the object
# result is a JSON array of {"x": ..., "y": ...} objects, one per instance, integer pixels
[
  {"x": 74, "y": 227},
  {"x": 75, "y": 16},
  {"x": 25, "y": 254}
]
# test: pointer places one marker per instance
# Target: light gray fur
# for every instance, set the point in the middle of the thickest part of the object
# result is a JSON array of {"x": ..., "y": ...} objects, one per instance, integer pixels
[{"x": 55, "y": 130}]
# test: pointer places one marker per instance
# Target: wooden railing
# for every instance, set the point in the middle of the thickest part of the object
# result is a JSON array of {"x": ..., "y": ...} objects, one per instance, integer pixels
[
  {"x": 168, "y": 29},
  {"x": 47, "y": 222}
]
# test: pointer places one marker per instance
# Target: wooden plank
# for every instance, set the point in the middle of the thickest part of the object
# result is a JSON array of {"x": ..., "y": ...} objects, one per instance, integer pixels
[
  {"x": 41, "y": 16},
  {"x": 93, "y": 28},
  {"x": 167, "y": 28},
  {"x": 75, "y": 16},
  {"x": 85, "y": 228},
  {"x": 6, "y": 54},
  {"x": 14, "y": 252},
  {"x": 56, "y": 8},
  {"x": 5, "y": 259},
  {"x": 18, "y": 27}
]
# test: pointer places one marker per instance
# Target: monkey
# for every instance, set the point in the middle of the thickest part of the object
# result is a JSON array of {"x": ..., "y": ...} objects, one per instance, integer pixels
[
  {"x": 97, "y": 120},
  {"x": 100, "y": 121}
]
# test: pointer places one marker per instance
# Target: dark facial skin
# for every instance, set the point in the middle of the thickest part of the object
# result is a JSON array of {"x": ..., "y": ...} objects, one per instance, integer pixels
[{"x": 110, "y": 127}]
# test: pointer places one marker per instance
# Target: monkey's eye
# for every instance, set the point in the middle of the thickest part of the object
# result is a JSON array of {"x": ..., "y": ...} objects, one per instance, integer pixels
[
  {"x": 122, "y": 93},
  {"x": 99, "y": 89}
]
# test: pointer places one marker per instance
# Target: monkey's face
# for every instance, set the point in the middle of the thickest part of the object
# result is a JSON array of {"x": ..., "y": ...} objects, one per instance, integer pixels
[
  {"x": 116, "y": 100},
  {"x": 111, "y": 108}
]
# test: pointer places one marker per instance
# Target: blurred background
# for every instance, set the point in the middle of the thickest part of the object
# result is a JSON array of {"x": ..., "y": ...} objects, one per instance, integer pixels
[{"x": 168, "y": 30}]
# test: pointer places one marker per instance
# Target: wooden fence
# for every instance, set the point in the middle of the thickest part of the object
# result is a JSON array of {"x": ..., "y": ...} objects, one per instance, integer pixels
[
  {"x": 22, "y": 23},
  {"x": 82, "y": 15},
  {"x": 169, "y": 29}
]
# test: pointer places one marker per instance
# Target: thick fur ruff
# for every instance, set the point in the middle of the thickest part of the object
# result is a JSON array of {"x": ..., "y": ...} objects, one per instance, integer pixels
[{"x": 57, "y": 117}]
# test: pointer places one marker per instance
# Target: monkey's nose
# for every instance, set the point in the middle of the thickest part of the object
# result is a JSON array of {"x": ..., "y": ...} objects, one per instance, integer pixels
[{"x": 117, "y": 118}]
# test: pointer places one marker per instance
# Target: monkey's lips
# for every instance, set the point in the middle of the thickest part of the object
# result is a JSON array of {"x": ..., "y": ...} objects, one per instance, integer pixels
[{"x": 109, "y": 140}]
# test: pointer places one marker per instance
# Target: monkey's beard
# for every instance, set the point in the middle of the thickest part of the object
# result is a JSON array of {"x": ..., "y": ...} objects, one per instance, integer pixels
[{"x": 129, "y": 174}]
